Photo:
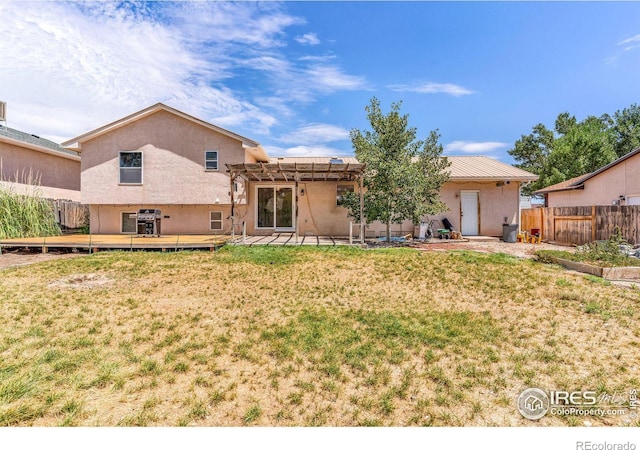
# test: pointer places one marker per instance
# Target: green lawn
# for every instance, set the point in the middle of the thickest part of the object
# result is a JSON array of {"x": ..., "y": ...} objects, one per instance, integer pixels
[{"x": 303, "y": 336}]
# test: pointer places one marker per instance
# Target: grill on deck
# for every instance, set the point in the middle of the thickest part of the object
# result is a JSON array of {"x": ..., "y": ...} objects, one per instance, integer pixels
[{"x": 149, "y": 222}]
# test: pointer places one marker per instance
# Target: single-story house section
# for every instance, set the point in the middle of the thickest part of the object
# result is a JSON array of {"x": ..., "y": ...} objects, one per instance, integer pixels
[
  {"x": 617, "y": 183},
  {"x": 206, "y": 179},
  {"x": 29, "y": 162},
  {"x": 481, "y": 194}
]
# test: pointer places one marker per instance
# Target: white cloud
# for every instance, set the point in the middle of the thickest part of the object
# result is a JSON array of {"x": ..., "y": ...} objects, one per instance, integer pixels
[
  {"x": 68, "y": 67},
  {"x": 308, "y": 39},
  {"x": 306, "y": 150},
  {"x": 315, "y": 134},
  {"x": 331, "y": 78},
  {"x": 432, "y": 88},
  {"x": 473, "y": 148},
  {"x": 630, "y": 43}
]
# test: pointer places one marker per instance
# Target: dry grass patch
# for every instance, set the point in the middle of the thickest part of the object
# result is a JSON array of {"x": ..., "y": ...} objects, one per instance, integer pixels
[{"x": 301, "y": 336}]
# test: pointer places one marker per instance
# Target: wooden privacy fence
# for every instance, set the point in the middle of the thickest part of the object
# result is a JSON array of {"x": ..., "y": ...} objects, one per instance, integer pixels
[
  {"x": 578, "y": 225},
  {"x": 70, "y": 215}
]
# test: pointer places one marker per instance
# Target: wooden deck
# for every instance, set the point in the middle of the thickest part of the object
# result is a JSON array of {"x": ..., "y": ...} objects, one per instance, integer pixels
[{"x": 95, "y": 242}]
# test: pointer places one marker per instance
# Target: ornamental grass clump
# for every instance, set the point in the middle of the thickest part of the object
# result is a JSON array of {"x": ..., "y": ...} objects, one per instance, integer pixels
[{"x": 26, "y": 215}]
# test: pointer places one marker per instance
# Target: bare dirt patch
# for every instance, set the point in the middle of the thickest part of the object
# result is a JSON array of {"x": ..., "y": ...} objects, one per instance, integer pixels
[
  {"x": 18, "y": 258},
  {"x": 82, "y": 281},
  {"x": 519, "y": 250}
]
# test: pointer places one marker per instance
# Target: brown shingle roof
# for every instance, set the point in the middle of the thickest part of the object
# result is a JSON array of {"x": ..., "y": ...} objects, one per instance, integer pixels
[
  {"x": 572, "y": 183},
  {"x": 578, "y": 182}
]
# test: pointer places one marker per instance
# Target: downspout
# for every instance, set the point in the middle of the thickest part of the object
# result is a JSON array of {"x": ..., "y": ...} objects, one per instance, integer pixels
[{"x": 519, "y": 207}]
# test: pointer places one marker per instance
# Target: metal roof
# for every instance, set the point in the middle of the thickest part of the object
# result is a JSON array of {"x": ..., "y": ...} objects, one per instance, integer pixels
[
  {"x": 462, "y": 168},
  {"x": 484, "y": 168},
  {"x": 295, "y": 171},
  {"x": 32, "y": 139}
]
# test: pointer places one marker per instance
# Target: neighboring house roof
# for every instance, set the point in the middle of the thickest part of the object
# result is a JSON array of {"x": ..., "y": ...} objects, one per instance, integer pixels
[
  {"x": 151, "y": 110},
  {"x": 572, "y": 183},
  {"x": 578, "y": 182},
  {"x": 33, "y": 142}
]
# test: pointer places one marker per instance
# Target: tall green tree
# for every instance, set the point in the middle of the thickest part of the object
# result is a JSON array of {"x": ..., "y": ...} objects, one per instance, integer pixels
[
  {"x": 576, "y": 148},
  {"x": 403, "y": 175},
  {"x": 626, "y": 129}
]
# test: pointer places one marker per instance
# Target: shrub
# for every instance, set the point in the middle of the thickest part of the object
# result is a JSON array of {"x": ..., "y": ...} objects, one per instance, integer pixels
[
  {"x": 610, "y": 251},
  {"x": 26, "y": 215}
]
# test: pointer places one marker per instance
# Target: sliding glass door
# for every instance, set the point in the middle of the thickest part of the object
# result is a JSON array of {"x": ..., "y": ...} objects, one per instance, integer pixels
[{"x": 275, "y": 207}]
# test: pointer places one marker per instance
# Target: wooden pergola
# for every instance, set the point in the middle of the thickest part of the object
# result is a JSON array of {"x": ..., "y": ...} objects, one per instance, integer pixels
[{"x": 295, "y": 172}]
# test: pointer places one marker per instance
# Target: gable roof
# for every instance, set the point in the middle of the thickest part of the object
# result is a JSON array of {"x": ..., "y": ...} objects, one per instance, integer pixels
[
  {"x": 151, "y": 110},
  {"x": 567, "y": 185},
  {"x": 33, "y": 142},
  {"x": 578, "y": 182}
]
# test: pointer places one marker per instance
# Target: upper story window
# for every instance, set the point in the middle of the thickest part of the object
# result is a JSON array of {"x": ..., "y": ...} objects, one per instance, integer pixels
[
  {"x": 211, "y": 160},
  {"x": 130, "y": 167}
]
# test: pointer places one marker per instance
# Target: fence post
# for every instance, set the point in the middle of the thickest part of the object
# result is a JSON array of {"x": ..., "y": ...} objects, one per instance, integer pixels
[
  {"x": 552, "y": 223},
  {"x": 593, "y": 223}
]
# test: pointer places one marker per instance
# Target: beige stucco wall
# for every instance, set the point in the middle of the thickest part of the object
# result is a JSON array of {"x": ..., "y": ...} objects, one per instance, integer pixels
[
  {"x": 621, "y": 179},
  {"x": 182, "y": 219},
  {"x": 173, "y": 151},
  {"x": 495, "y": 203},
  {"x": 318, "y": 213},
  {"x": 41, "y": 191},
  {"x": 51, "y": 170}
]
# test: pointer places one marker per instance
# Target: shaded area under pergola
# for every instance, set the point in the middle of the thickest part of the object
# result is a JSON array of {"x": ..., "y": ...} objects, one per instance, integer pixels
[{"x": 295, "y": 172}]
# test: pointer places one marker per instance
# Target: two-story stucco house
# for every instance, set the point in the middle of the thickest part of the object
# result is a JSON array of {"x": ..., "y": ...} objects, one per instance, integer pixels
[
  {"x": 206, "y": 180},
  {"x": 162, "y": 158}
]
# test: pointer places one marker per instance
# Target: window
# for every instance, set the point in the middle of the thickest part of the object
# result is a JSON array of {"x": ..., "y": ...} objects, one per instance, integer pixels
[
  {"x": 130, "y": 167},
  {"x": 129, "y": 222},
  {"x": 342, "y": 189},
  {"x": 211, "y": 160},
  {"x": 216, "y": 220}
]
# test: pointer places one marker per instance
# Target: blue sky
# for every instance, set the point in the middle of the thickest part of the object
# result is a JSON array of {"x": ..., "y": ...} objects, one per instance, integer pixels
[{"x": 296, "y": 76}]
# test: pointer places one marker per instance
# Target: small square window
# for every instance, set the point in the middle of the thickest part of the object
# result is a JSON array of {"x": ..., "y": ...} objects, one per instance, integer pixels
[
  {"x": 215, "y": 220},
  {"x": 211, "y": 160},
  {"x": 342, "y": 189}
]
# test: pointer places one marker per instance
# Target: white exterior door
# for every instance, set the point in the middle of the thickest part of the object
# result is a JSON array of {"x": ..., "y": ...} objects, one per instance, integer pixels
[{"x": 469, "y": 213}]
